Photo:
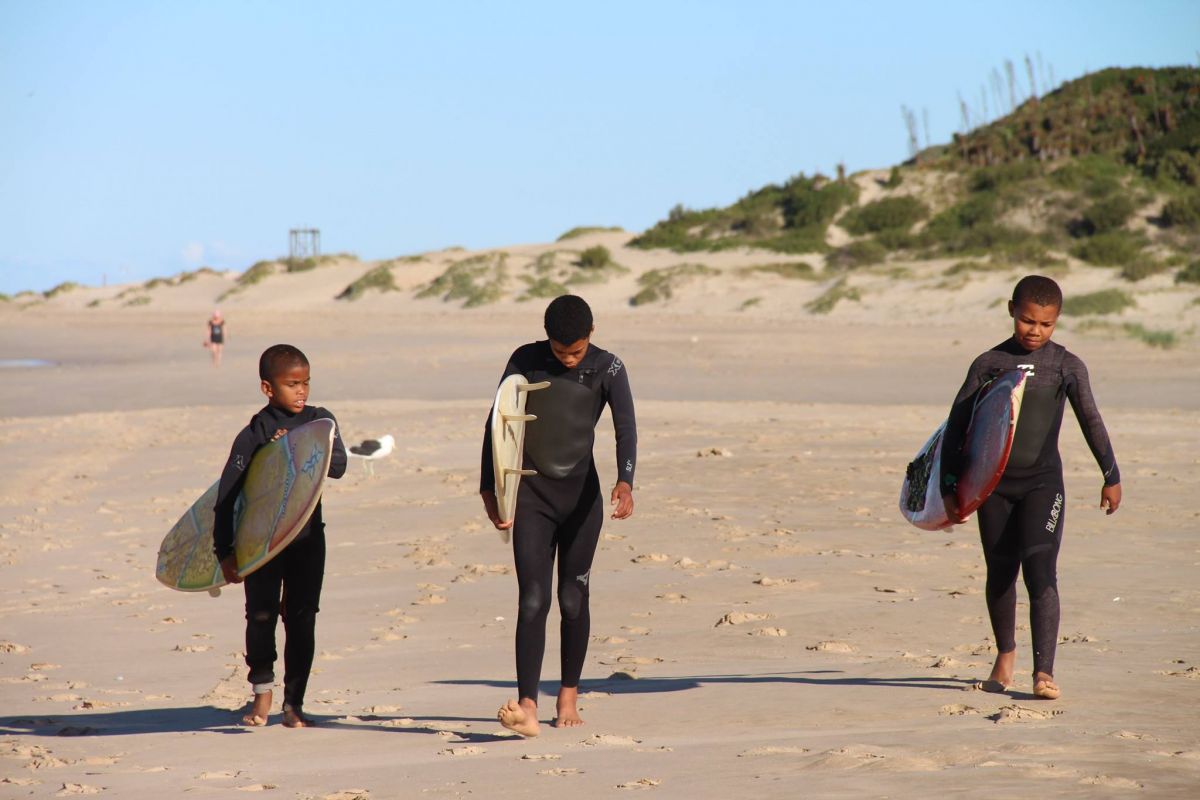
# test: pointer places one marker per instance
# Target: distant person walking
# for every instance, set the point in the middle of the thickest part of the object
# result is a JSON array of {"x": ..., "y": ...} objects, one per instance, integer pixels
[{"x": 215, "y": 340}]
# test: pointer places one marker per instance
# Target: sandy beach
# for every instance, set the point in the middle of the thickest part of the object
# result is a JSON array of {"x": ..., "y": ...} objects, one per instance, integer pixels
[{"x": 766, "y": 625}]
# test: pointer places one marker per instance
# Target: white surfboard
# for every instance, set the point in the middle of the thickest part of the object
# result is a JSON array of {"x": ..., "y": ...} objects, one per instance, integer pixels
[{"x": 508, "y": 441}]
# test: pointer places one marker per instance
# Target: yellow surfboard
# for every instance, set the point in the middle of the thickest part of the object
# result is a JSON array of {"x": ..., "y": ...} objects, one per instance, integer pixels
[{"x": 282, "y": 488}]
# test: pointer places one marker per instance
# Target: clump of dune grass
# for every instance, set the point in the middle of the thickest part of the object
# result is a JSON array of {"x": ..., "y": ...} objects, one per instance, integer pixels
[
  {"x": 1189, "y": 274},
  {"x": 584, "y": 230},
  {"x": 793, "y": 270},
  {"x": 541, "y": 287},
  {"x": 62, "y": 288},
  {"x": 379, "y": 279},
  {"x": 1105, "y": 301},
  {"x": 836, "y": 293},
  {"x": 660, "y": 284},
  {"x": 140, "y": 300},
  {"x": 1163, "y": 339},
  {"x": 749, "y": 302},
  {"x": 476, "y": 281}
]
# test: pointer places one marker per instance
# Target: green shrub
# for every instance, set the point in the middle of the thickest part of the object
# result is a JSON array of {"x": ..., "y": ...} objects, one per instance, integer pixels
[
  {"x": 541, "y": 288},
  {"x": 154, "y": 283},
  {"x": 832, "y": 296},
  {"x": 1108, "y": 214},
  {"x": 988, "y": 178},
  {"x": 1143, "y": 268},
  {"x": 790, "y": 269},
  {"x": 596, "y": 257},
  {"x": 140, "y": 300},
  {"x": 1105, "y": 301},
  {"x": 1178, "y": 166},
  {"x": 62, "y": 288},
  {"x": 894, "y": 178},
  {"x": 584, "y": 230},
  {"x": 257, "y": 272},
  {"x": 897, "y": 239},
  {"x": 749, "y": 302},
  {"x": 795, "y": 241},
  {"x": 890, "y": 213},
  {"x": 304, "y": 264},
  {"x": 1111, "y": 249},
  {"x": 1189, "y": 274},
  {"x": 1095, "y": 175},
  {"x": 477, "y": 280},
  {"x": 1183, "y": 211},
  {"x": 379, "y": 279},
  {"x": 971, "y": 213},
  {"x": 857, "y": 254},
  {"x": 93, "y": 304},
  {"x": 660, "y": 284},
  {"x": 975, "y": 266},
  {"x": 1164, "y": 339}
]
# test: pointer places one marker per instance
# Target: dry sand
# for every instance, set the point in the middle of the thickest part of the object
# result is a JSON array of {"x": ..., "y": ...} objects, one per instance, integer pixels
[{"x": 766, "y": 625}]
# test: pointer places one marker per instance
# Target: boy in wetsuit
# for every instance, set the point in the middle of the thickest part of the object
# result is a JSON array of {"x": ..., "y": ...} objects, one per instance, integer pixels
[
  {"x": 560, "y": 509},
  {"x": 300, "y": 568},
  {"x": 1021, "y": 523}
]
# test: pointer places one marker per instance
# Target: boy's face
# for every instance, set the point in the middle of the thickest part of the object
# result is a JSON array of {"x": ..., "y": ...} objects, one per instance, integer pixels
[
  {"x": 570, "y": 354},
  {"x": 288, "y": 390},
  {"x": 1033, "y": 324}
]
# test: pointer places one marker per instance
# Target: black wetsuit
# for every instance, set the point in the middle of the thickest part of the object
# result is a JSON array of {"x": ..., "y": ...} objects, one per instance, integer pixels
[
  {"x": 561, "y": 508},
  {"x": 216, "y": 332},
  {"x": 298, "y": 570},
  {"x": 1021, "y": 523}
]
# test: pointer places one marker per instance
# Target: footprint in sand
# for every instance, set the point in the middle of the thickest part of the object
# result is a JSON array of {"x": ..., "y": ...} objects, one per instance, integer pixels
[
  {"x": 191, "y": 648},
  {"x": 78, "y": 788},
  {"x": 217, "y": 776},
  {"x": 256, "y": 787},
  {"x": 957, "y": 710},
  {"x": 740, "y": 618},
  {"x": 1191, "y": 672},
  {"x": 13, "y": 647},
  {"x": 768, "y": 632},
  {"x": 349, "y": 794},
  {"x": 673, "y": 597},
  {"x": 774, "y": 582},
  {"x": 640, "y": 783},
  {"x": 1023, "y": 714},
  {"x": 833, "y": 647},
  {"x": 469, "y": 750},
  {"x": 559, "y": 772},
  {"x": 541, "y": 757},
  {"x": 636, "y": 630},
  {"x": 650, "y": 558},
  {"x": 609, "y": 740},
  {"x": 773, "y": 750},
  {"x": 1114, "y": 782}
]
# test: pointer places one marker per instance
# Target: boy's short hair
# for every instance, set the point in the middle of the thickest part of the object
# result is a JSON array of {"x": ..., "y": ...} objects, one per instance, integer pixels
[
  {"x": 568, "y": 319},
  {"x": 278, "y": 358},
  {"x": 1037, "y": 289}
]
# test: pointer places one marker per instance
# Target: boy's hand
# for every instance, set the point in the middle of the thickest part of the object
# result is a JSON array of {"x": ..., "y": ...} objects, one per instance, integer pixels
[
  {"x": 229, "y": 569},
  {"x": 622, "y": 497},
  {"x": 1110, "y": 498},
  {"x": 279, "y": 432},
  {"x": 492, "y": 508}
]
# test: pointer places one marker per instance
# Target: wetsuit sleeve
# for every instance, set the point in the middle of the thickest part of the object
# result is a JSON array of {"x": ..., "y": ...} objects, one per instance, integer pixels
[
  {"x": 956, "y": 425},
  {"x": 1079, "y": 392},
  {"x": 232, "y": 478},
  {"x": 487, "y": 474},
  {"x": 620, "y": 401},
  {"x": 337, "y": 463}
]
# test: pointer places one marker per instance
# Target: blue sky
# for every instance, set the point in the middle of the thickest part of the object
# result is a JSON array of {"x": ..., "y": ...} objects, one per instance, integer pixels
[{"x": 144, "y": 138}]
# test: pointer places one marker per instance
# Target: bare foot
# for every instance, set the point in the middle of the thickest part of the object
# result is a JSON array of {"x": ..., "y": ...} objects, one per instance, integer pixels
[
  {"x": 519, "y": 717},
  {"x": 567, "y": 715},
  {"x": 1002, "y": 673},
  {"x": 294, "y": 718},
  {"x": 1045, "y": 687},
  {"x": 260, "y": 707}
]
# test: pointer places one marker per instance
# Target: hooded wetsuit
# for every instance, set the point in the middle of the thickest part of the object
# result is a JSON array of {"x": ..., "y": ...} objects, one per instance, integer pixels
[
  {"x": 1021, "y": 522},
  {"x": 561, "y": 508},
  {"x": 298, "y": 570}
]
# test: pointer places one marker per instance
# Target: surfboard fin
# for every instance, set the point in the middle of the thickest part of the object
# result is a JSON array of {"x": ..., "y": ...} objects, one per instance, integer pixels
[
  {"x": 526, "y": 472},
  {"x": 518, "y": 417},
  {"x": 533, "y": 387}
]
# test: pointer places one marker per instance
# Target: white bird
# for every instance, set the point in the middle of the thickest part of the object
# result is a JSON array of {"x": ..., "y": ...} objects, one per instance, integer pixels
[{"x": 372, "y": 449}]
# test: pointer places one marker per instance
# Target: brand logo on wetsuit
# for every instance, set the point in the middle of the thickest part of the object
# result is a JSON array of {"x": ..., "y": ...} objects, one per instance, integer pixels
[
  {"x": 1055, "y": 511},
  {"x": 239, "y": 463},
  {"x": 584, "y": 578},
  {"x": 1029, "y": 373},
  {"x": 628, "y": 465},
  {"x": 615, "y": 367}
]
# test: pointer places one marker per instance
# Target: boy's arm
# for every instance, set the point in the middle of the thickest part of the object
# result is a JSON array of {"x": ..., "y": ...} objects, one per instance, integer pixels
[
  {"x": 620, "y": 402},
  {"x": 956, "y": 428},
  {"x": 1079, "y": 392},
  {"x": 338, "y": 460},
  {"x": 232, "y": 478}
]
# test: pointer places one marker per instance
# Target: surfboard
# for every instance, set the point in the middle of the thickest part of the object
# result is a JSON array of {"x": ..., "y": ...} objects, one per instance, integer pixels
[
  {"x": 986, "y": 448},
  {"x": 282, "y": 488},
  {"x": 508, "y": 441}
]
